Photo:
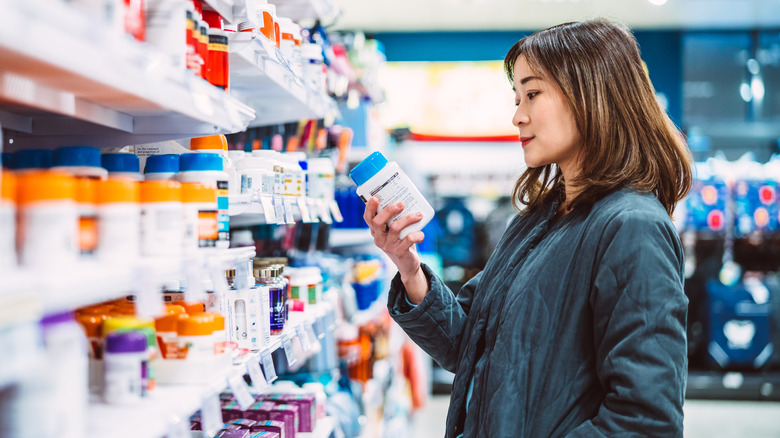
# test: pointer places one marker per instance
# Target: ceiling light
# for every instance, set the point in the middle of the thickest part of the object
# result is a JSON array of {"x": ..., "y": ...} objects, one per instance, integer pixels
[{"x": 657, "y": 2}]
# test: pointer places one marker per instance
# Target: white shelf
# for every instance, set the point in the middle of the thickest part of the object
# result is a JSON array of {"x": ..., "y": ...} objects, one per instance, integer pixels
[
  {"x": 172, "y": 404},
  {"x": 247, "y": 210},
  {"x": 66, "y": 78},
  {"x": 303, "y": 9},
  {"x": 231, "y": 11},
  {"x": 261, "y": 76}
]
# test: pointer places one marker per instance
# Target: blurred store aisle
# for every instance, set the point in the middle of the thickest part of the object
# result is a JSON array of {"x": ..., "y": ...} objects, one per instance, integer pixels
[{"x": 703, "y": 419}]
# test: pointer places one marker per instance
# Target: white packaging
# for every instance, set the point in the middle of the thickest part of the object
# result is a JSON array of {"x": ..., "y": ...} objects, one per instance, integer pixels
[
  {"x": 258, "y": 175},
  {"x": 244, "y": 318},
  {"x": 123, "y": 371},
  {"x": 162, "y": 228},
  {"x": 322, "y": 179},
  {"x": 313, "y": 67},
  {"x": 277, "y": 167},
  {"x": 119, "y": 231},
  {"x": 376, "y": 177},
  {"x": 296, "y": 184},
  {"x": 49, "y": 230},
  {"x": 197, "y": 347},
  {"x": 160, "y": 176},
  {"x": 218, "y": 179}
]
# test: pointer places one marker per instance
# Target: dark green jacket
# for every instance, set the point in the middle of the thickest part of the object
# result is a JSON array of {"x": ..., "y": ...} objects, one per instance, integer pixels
[{"x": 575, "y": 328}]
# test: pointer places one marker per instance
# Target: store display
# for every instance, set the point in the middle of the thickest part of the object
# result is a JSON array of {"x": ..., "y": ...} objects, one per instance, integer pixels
[{"x": 118, "y": 215}]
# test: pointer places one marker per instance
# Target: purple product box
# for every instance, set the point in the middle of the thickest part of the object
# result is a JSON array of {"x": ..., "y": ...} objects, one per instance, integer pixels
[
  {"x": 307, "y": 410},
  {"x": 266, "y": 434},
  {"x": 243, "y": 423},
  {"x": 231, "y": 411},
  {"x": 288, "y": 414},
  {"x": 255, "y": 412},
  {"x": 235, "y": 433},
  {"x": 194, "y": 425},
  {"x": 226, "y": 396},
  {"x": 270, "y": 426}
]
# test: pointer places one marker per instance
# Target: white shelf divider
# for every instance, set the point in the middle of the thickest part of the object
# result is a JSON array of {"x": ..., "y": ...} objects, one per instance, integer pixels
[{"x": 66, "y": 78}]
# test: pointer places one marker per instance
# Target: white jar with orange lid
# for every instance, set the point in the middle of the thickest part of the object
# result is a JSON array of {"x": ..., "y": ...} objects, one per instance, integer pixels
[
  {"x": 200, "y": 216},
  {"x": 118, "y": 219},
  {"x": 48, "y": 218},
  {"x": 7, "y": 220},
  {"x": 195, "y": 337},
  {"x": 162, "y": 218}
]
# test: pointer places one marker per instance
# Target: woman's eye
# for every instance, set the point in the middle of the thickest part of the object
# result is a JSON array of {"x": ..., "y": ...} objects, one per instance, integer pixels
[{"x": 532, "y": 94}]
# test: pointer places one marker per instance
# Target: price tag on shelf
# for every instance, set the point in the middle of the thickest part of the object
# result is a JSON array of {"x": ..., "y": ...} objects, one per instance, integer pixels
[
  {"x": 268, "y": 209},
  {"x": 268, "y": 367},
  {"x": 289, "y": 353},
  {"x": 240, "y": 389},
  {"x": 211, "y": 415},
  {"x": 324, "y": 213},
  {"x": 279, "y": 210},
  {"x": 313, "y": 336},
  {"x": 256, "y": 375},
  {"x": 314, "y": 212},
  {"x": 288, "y": 210},
  {"x": 304, "y": 337},
  {"x": 334, "y": 210},
  {"x": 179, "y": 429},
  {"x": 304, "y": 210}
]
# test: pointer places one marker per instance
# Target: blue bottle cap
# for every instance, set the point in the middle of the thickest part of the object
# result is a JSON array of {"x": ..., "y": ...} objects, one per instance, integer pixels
[
  {"x": 165, "y": 163},
  {"x": 367, "y": 168},
  {"x": 73, "y": 156},
  {"x": 32, "y": 159},
  {"x": 196, "y": 161},
  {"x": 304, "y": 165},
  {"x": 120, "y": 162},
  {"x": 7, "y": 159}
]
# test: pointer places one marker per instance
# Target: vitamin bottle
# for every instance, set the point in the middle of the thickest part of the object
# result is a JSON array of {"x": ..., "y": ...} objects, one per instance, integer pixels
[
  {"x": 48, "y": 221},
  {"x": 161, "y": 167},
  {"x": 166, "y": 327},
  {"x": 124, "y": 361},
  {"x": 206, "y": 168},
  {"x": 200, "y": 216},
  {"x": 277, "y": 299},
  {"x": 162, "y": 218},
  {"x": 195, "y": 337},
  {"x": 122, "y": 165},
  {"x": 7, "y": 220},
  {"x": 376, "y": 177},
  {"x": 118, "y": 219},
  {"x": 217, "y": 66},
  {"x": 27, "y": 159}
]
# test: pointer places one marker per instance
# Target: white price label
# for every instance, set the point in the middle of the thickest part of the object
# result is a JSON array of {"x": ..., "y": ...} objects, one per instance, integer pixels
[
  {"x": 211, "y": 415},
  {"x": 304, "y": 209},
  {"x": 268, "y": 367},
  {"x": 279, "y": 210},
  {"x": 288, "y": 211},
  {"x": 241, "y": 391},
  {"x": 304, "y": 338},
  {"x": 335, "y": 211},
  {"x": 313, "y": 336},
  {"x": 324, "y": 212},
  {"x": 289, "y": 353},
  {"x": 256, "y": 375},
  {"x": 268, "y": 209},
  {"x": 314, "y": 212}
]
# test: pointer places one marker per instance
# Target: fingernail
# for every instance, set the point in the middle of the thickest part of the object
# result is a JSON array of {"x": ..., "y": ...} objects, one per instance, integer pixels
[
  {"x": 399, "y": 204},
  {"x": 418, "y": 214}
]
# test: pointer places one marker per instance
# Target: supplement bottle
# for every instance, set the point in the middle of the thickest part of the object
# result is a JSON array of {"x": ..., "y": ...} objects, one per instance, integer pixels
[
  {"x": 377, "y": 177},
  {"x": 118, "y": 220},
  {"x": 162, "y": 218},
  {"x": 161, "y": 167},
  {"x": 124, "y": 360},
  {"x": 122, "y": 165},
  {"x": 217, "y": 66},
  {"x": 217, "y": 144},
  {"x": 7, "y": 221},
  {"x": 48, "y": 221},
  {"x": 195, "y": 337},
  {"x": 32, "y": 159},
  {"x": 200, "y": 216},
  {"x": 277, "y": 299},
  {"x": 206, "y": 168}
]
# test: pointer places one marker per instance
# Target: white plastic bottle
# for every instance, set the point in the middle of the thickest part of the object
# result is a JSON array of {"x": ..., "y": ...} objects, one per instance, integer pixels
[
  {"x": 122, "y": 165},
  {"x": 376, "y": 177},
  {"x": 206, "y": 168},
  {"x": 118, "y": 220},
  {"x": 163, "y": 167}
]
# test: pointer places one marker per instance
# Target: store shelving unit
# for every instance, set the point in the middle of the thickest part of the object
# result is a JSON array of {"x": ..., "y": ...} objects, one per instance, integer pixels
[
  {"x": 249, "y": 210},
  {"x": 305, "y": 9}
]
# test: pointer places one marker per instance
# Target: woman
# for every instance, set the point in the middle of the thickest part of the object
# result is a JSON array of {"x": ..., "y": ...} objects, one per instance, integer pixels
[{"x": 576, "y": 326}]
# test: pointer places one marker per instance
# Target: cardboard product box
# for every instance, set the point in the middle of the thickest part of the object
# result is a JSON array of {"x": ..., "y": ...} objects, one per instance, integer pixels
[{"x": 270, "y": 426}]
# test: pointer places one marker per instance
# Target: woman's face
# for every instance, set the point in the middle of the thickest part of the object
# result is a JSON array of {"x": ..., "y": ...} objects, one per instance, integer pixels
[{"x": 546, "y": 123}]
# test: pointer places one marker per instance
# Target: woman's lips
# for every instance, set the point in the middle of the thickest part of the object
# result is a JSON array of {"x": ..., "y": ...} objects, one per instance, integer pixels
[{"x": 525, "y": 140}]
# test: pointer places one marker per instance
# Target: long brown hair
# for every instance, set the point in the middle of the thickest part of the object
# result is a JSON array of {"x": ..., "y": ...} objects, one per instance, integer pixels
[{"x": 627, "y": 138}]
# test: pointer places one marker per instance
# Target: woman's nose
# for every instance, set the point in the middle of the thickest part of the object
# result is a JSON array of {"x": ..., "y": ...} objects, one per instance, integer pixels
[{"x": 520, "y": 118}]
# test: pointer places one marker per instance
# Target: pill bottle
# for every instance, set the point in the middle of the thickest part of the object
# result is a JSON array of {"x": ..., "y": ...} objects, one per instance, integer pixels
[
  {"x": 217, "y": 65},
  {"x": 79, "y": 161},
  {"x": 191, "y": 307},
  {"x": 122, "y": 165},
  {"x": 86, "y": 195},
  {"x": 118, "y": 219},
  {"x": 66, "y": 355},
  {"x": 124, "y": 360},
  {"x": 267, "y": 18},
  {"x": 277, "y": 167},
  {"x": 287, "y": 44},
  {"x": 7, "y": 160},
  {"x": 166, "y": 327},
  {"x": 162, "y": 218},
  {"x": 258, "y": 174},
  {"x": 161, "y": 167},
  {"x": 200, "y": 216},
  {"x": 7, "y": 220},
  {"x": 206, "y": 168},
  {"x": 217, "y": 144},
  {"x": 313, "y": 67},
  {"x": 195, "y": 336},
  {"x": 277, "y": 299},
  {"x": 203, "y": 46},
  {"x": 219, "y": 333},
  {"x": 293, "y": 173},
  {"x": 149, "y": 378},
  {"x": 377, "y": 177},
  {"x": 92, "y": 324},
  {"x": 27, "y": 159},
  {"x": 322, "y": 179},
  {"x": 48, "y": 221}
]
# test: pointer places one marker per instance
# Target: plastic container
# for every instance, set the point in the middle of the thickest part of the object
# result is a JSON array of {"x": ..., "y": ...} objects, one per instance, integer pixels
[
  {"x": 162, "y": 218},
  {"x": 293, "y": 173},
  {"x": 48, "y": 220},
  {"x": 217, "y": 66},
  {"x": 287, "y": 29},
  {"x": 32, "y": 159},
  {"x": 124, "y": 359},
  {"x": 257, "y": 175},
  {"x": 122, "y": 165},
  {"x": 7, "y": 220},
  {"x": 277, "y": 167},
  {"x": 195, "y": 337},
  {"x": 200, "y": 216},
  {"x": 166, "y": 327},
  {"x": 7, "y": 160},
  {"x": 313, "y": 67},
  {"x": 166, "y": 22},
  {"x": 118, "y": 220},
  {"x": 322, "y": 179},
  {"x": 386, "y": 181},
  {"x": 268, "y": 25},
  {"x": 79, "y": 161},
  {"x": 217, "y": 144},
  {"x": 162, "y": 167},
  {"x": 277, "y": 299},
  {"x": 86, "y": 194},
  {"x": 206, "y": 168}
]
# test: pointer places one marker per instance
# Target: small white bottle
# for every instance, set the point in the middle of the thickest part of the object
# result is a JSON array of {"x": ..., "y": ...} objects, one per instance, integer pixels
[
  {"x": 377, "y": 177},
  {"x": 124, "y": 358}
]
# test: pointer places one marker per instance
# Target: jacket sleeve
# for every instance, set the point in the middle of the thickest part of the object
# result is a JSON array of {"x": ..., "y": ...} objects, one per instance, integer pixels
[
  {"x": 437, "y": 323},
  {"x": 639, "y": 320}
]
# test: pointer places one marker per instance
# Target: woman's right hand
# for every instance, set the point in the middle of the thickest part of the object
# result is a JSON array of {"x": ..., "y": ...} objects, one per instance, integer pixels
[{"x": 401, "y": 251}]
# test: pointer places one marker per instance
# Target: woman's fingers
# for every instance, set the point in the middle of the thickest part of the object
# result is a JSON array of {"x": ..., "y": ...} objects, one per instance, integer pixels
[
  {"x": 401, "y": 223},
  {"x": 383, "y": 217}
]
